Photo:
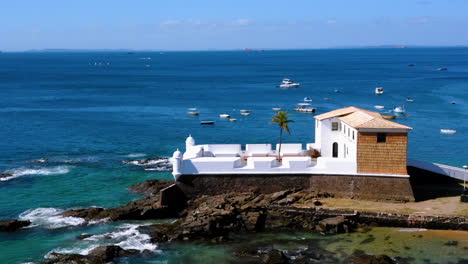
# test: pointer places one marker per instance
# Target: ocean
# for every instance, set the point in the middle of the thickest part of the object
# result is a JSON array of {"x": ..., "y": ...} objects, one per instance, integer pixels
[{"x": 69, "y": 119}]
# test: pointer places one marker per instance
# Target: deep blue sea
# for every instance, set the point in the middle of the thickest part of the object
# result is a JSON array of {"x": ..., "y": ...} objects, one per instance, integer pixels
[{"x": 87, "y": 112}]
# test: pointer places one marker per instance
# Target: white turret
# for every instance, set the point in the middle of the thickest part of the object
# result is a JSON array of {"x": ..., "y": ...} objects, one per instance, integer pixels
[
  {"x": 176, "y": 164},
  {"x": 189, "y": 142}
]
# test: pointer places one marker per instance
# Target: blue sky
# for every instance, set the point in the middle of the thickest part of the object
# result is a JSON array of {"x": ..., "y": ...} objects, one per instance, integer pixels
[{"x": 229, "y": 24}]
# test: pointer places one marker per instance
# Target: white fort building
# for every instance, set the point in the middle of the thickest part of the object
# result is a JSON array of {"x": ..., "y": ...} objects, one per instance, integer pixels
[{"x": 348, "y": 141}]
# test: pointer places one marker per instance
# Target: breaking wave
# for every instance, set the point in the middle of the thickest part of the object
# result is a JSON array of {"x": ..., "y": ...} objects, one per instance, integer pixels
[
  {"x": 18, "y": 172},
  {"x": 48, "y": 218},
  {"x": 136, "y": 155},
  {"x": 127, "y": 236}
]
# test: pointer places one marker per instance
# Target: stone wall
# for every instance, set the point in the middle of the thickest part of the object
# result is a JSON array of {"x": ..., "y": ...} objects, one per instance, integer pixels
[
  {"x": 358, "y": 187},
  {"x": 387, "y": 158}
]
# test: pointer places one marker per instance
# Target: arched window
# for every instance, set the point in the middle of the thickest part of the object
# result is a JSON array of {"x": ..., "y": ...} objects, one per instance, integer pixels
[{"x": 335, "y": 150}]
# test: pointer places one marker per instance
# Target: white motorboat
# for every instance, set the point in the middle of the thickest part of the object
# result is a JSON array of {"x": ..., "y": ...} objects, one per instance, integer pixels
[
  {"x": 193, "y": 113},
  {"x": 224, "y": 116},
  {"x": 409, "y": 99},
  {"x": 304, "y": 108},
  {"x": 448, "y": 131},
  {"x": 287, "y": 83},
  {"x": 192, "y": 109},
  {"x": 379, "y": 90},
  {"x": 307, "y": 99},
  {"x": 245, "y": 113},
  {"x": 233, "y": 120},
  {"x": 379, "y": 106},
  {"x": 399, "y": 109},
  {"x": 276, "y": 108},
  {"x": 207, "y": 122}
]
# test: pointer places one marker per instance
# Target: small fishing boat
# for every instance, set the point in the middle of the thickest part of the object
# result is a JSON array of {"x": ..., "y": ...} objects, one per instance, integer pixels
[
  {"x": 224, "y": 116},
  {"x": 453, "y": 102},
  {"x": 389, "y": 116},
  {"x": 193, "y": 113},
  {"x": 245, "y": 113},
  {"x": 287, "y": 83},
  {"x": 232, "y": 119},
  {"x": 448, "y": 131},
  {"x": 192, "y": 109},
  {"x": 379, "y": 106},
  {"x": 379, "y": 90},
  {"x": 409, "y": 99},
  {"x": 276, "y": 108},
  {"x": 207, "y": 122},
  {"x": 399, "y": 109},
  {"x": 307, "y": 99},
  {"x": 304, "y": 108},
  {"x": 442, "y": 69}
]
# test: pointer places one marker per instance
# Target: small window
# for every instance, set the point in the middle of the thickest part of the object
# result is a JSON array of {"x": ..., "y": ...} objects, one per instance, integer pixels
[
  {"x": 381, "y": 137},
  {"x": 334, "y": 126},
  {"x": 353, "y": 135},
  {"x": 348, "y": 131}
]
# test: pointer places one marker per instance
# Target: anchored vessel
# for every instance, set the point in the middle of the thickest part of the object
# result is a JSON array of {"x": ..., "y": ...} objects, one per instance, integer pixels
[{"x": 287, "y": 83}]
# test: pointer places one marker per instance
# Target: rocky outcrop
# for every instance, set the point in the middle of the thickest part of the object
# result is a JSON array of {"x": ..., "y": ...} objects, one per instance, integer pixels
[
  {"x": 99, "y": 255},
  {"x": 150, "y": 187},
  {"x": 359, "y": 257},
  {"x": 10, "y": 225}
]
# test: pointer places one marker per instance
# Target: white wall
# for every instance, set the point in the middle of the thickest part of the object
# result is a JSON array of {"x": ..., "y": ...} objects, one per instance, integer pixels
[{"x": 343, "y": 136}]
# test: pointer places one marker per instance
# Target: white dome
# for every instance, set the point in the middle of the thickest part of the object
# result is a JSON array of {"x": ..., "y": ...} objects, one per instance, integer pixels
[
  {"x": 190, "y": 141},
  {"x": 177, "y": 154}
]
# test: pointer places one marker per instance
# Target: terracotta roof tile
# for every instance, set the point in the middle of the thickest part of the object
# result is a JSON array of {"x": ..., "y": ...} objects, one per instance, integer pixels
[{"x": 361, "y": 118}]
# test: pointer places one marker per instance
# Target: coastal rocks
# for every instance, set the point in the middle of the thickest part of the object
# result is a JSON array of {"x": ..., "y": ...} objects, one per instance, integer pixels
[
  {"x": 359, "y": 257},
  {"x": 275, "y": 257},
  {"x": 152, "y": 164},
  {"x": 150, "y": 187},
  {"x": 10, "y": 225},
  {"x": 99, "y": 255},
  {"x": 334, "y": 225}
]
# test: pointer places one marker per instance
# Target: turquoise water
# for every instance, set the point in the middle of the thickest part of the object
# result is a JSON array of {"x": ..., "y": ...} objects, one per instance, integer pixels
[{"x": 87, "y": 112}]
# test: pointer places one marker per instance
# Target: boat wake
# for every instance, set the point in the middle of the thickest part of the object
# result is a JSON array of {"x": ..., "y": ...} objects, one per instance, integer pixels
[
  {"x": 127, "y": 236},
  {"x": 22, "y": 171},
  {"x": 49, "y": 218}
]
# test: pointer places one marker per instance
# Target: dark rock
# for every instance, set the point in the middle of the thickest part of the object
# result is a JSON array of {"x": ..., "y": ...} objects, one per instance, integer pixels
[
  {"x": 87, "y": 213},
  {"x": 99, "y": 255},
  {"x": 333, "y": 225},
  {"x": 317, "y": 203},
  {"x": 108, "y": 253},
  {"x": 83, "y": 236},
  {"x": 150, "y": 187},
  {"x": 359, "y": 257},
  {"x": 452, "y": 243},
  {"x": 275, "y": 257},
  {"x": 10, "y": 225}
]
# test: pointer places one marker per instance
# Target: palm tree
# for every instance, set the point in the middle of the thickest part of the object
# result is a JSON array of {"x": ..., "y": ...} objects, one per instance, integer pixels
[{"x": 281, "y": 118}]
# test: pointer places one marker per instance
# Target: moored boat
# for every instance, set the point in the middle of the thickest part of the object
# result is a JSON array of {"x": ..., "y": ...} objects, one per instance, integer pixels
[
  {"x": 193, "y": 113},
  {"x": 232, "y": 119},
  {"x": 304, "y": 108},
  {"x": 399, "y": 109},
  {"x": 224, "y": 115},
  {"x": 389, "y": 116},
  {"x": 287, "y": 83},
  {"x": 245, "y": 113},
  {"x": 379, "y": 106},
  {"x": 207, "y": 122},
  {"x": 448, "y": 131},
  {"x": 379, "y": 90},
  {"x": 307, "y": 99},
  {"x": 276, "y": 108}
]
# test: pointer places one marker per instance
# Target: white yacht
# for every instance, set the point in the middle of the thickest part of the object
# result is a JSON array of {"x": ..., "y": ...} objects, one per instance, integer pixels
[
  {"x": 305, "y": 108},
  {"x": 379, "y": 90},
  {"x": 307, "y": 99},
  {"x": 287, "y": 83},
  {"x": 224, "y": 116},
  {"x": 399, "y": 109}
]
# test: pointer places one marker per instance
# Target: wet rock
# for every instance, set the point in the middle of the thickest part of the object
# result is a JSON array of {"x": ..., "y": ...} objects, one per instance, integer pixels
[
  {"x": 10, "y": 225},
  {"x": 334, "y": 225},
  {"x": 99, "y": 255},
  {"x": 83, "y": 236},
  {"x": 87, "y": 213},
  {"x": 108, "y": 253},
  {"x": 150, "y": 187},
  {"x": 359, "y": 257},
  {"x": 275, "y": 257},
  {"x": 451, "y": 243},
  {"x": 5, "y": 175}
]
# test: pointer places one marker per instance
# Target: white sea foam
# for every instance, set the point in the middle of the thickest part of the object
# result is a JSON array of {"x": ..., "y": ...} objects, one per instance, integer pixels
[
  {"x": 136, "y": 155},
  {"x": 48, "y": 218},
  {"x": 126, "y": 236},
  {"x": 18, "y": 172}
]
